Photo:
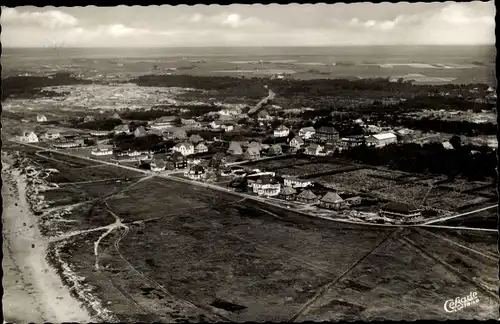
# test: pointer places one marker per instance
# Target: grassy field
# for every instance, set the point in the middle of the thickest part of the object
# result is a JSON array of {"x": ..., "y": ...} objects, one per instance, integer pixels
[{"x": 194, "y": 254}]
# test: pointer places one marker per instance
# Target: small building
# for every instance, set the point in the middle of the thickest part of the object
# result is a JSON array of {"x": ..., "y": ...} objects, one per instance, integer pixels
[
  {"x": 331, "y": 201},
  {"x": 353, "y": 201},
  {"x": 196, "y": 172},
  {"x": 98, "y": 133},
  {"x": 116, "y": 116},
  {"x": 28, "y": 137},
  {"x": 178, "y": 160},
  {"x": 201, "y": 148},
  {"x": 69, "y": 143},
  {"x": 447, "y": 145},
  {"x": 398, "y": 210},
  {"x": 295, "y": 182},
  {"x": 41, "y": 118},
  {"x": 287, "y": 193},
  {"x": 195, "y": 139},
  {"x": 178, "y": 133},
  {"x": 296, "y": 142},
  {"x": 351, "y": 141},
  {"x": 266, "y": 185},
  {"x": 263, "y": 116},
  {"x": 235, "y": 148},
  {"x": 51, "y": 135},
  {"x": 164, "y": 122},
  {"x": 307, "y": 132},
  {"x": 281, "y": 131},
  {"x": 326, "y": 134},
  {"x": 252, "y": 153},
  {"x": 122, "y": 129},
  {"x": 158, "y": 165},
  {"x": 314, "y": 149},
  {"x": 184, "y": 148},
  {"x": 101, "y": 151},
  {"x": 140, "y": 132},
  {"x": 216, "y": 124},
  {"x": 381, "y": 139},
  {"x": 307, "y": 196},
  {"x": 227, "y": 128},
  {"x": 275, "y": 150}
]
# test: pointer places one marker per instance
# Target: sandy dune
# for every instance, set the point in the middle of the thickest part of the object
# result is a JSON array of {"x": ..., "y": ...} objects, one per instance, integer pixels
[{"x": 33, "y": 292}]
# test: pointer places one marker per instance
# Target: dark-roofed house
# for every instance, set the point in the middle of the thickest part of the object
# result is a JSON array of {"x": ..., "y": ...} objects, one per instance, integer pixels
[
  {"x": 307, "y": 196},
  {"x": 331, "y": 201},
  {"x": 326, "y": 134},
  {"x": 122, "y": 129},
  {"x": 307, "y": 132},
  {"x": 296, "y": 142},
  {"x": 140, "y": 132},
  {"x": 178, "y": 160},
  {"x": 196, "y": 172},
  {"x": 287, "y": 193},
  {"x": 235, "y": 148},
  {"x": 399, "y": 210},
  {"x": 266, "y": 185},
  {"x": 252, "y": 153}
]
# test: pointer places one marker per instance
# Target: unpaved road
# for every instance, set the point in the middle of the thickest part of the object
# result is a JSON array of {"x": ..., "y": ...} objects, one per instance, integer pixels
[{"x": 33, "y": 292}]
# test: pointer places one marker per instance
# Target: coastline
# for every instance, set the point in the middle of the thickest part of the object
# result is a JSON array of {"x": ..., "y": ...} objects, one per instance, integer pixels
[{"x": 33, "y": 291}]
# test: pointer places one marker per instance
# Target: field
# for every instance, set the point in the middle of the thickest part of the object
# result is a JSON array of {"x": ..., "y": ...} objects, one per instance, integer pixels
[
  {"x": 187, "y": 253},
  {"x": 286, "y": 162}
]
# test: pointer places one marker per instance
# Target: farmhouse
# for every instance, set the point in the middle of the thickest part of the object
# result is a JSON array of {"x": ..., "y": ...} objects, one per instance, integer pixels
[
  {"x": 331, "y": 201},
  {"x": 185, "y": 148},
  {"x": 307, "y": 196},
  {"x": 51, "y": 135},
  {"x": 28, "y": 137},
  {"x": 307, "y": 132},
  {"x": 122, "y": 129},
  {"x": 381, "y": 139},
  {"x": 41, "y": 118},
  {"x": 399, "y": 210},
  {"x": 314, "y": 149},
  {"x": 178, "y": 160},
  {"x": 263, "y": 115},
  {"x": 101, "y": 151},
  {"x": 296, "y": 142},
  {"x": 140, "y": 132},
  {"x": 287, "y": 193},
  {"x": 158, "y": 165},
  {"x": 252, "y": 153},
  {"x": 163, "y": 122},
  {"x": 281, "y": 131},
  {"x": 266, "y": 185},
  {"x": 235, "y": 148},
  {"x": 295, "y": 182},
  {"x": 201, "y": 148},
  {"x": 325, "y": 134},
  {"x": 196, "y": 172}
]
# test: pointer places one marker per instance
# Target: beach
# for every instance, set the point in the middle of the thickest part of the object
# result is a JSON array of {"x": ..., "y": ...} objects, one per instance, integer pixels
[{"x": 33, "y": 291}]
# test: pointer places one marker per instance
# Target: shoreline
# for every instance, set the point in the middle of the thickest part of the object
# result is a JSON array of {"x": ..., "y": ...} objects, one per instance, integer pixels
[{"x": 33, "y": 291}]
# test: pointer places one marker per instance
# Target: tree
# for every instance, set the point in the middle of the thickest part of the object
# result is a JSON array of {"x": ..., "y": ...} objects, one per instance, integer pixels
[{"x": 456, "y": 142}]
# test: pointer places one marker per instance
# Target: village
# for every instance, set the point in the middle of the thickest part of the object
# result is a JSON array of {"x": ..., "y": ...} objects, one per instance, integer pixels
[{"x": 213, "y": 149}]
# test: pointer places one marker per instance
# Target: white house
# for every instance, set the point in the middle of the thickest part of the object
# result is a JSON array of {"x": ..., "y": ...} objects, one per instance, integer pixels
[
  {"x": 101, "y": 151},
  {"x": 41, "y": 118},
  {"x": 307, "y": 132},
  {"x": 294, "y": 182},
  {"x": 227, "y": 128},
  {"x": 266, "y": 185},
  {"x": 184, "y": 148},
  {"x": 381, "y": 139},
  {"x": 215, "y": 124},
  {"x": 314, "y": 149},
  {"x": 281, "y": 131},
  {"x": 196, "y": 172},
  {"x": 99, "y": 133},
  {"x": 296, "y": 142},
  {"x": 28, "y": 137},
  {"x": 140, "y": 132}
]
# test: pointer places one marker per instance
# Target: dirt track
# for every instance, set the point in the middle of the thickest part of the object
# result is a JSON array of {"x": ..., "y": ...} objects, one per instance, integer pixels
[{"x": 33, "y": 292}]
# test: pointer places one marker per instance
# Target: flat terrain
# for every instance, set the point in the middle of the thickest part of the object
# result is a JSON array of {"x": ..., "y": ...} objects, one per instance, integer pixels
[{"x": 178, "y": 252}]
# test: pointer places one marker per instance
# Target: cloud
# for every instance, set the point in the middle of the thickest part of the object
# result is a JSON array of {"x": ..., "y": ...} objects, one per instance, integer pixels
[{"x": 52, "y": 19}]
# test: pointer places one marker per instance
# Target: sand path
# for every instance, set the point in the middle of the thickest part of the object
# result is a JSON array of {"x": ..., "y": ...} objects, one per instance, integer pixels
[{"x": 33, "y": 292}]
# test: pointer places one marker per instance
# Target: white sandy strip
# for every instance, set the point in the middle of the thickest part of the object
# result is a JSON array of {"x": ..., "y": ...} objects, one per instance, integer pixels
[{"x": 33, "y": 292}]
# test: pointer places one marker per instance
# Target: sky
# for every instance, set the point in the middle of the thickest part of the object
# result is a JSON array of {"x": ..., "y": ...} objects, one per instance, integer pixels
[{"x": 339, "y": 24}]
